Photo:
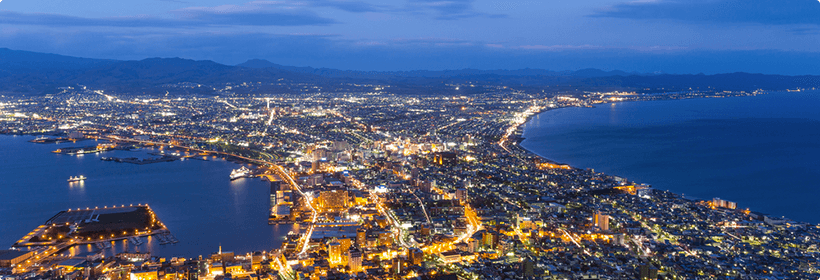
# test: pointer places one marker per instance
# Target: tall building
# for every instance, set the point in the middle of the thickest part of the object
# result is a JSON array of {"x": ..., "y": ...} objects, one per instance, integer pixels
[
  {"x": 600, "y": 220},
  {"x": 354, "y": 260},
  {"x": 275, "y": 188},
  {"x": 361, "y": 237},
  {"x": 461, "y": 194},
  {"x": 648, "y": 272},
  {"x": 527, "y": 267},
  {"x": 334, "y": 249},
  {"x": 320, "y": 153},
  {"x": 416, "y": 256}
]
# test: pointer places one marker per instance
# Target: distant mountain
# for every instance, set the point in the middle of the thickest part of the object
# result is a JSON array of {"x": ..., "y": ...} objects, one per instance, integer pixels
[
  {"x": 262, "y": 64},
  {"x": 36, "y": 73},
  {"x": 12, "y": 60}
]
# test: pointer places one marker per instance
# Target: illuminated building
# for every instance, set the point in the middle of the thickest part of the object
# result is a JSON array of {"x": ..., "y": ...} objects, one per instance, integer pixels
[
  {"x": 274, "y": 193},
  {"x": 416, "y": 256},
  {"x": 354, "y": 260},
  {"x": 445, "y": 158},
  {"x": 10, "y": 258},
  {"x": 334, "y": 249},
  {"x": 717, "y": 202},
  {"x": 320, "y": 153},
  {"x": 361, "y": 239},
  {"x": 461, "y": 194},
  {"x": 450, "y": 257},
  {"x": 149, "y": 274},
  {"x": 333, "y": 200},
  {"x": 600, "y": 220}
]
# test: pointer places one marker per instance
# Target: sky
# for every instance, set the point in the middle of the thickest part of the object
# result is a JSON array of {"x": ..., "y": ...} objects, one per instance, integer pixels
[{"x": 670, "y": 36}]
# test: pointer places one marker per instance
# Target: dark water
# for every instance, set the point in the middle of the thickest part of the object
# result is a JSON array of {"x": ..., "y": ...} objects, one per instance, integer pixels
[
  {"x": 762, "y": 152},
  {"x": 195, "y": 199}
]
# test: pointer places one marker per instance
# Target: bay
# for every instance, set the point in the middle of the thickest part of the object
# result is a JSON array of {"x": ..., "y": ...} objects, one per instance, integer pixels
[
  {"x": 195, "y": 199},
  {"x": 762, "y": 152}
]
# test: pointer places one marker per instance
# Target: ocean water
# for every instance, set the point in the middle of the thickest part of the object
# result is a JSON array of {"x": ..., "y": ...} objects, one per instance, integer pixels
[
  {"x": 195, "y": 199},
  {"x": 762, "y": 152}
]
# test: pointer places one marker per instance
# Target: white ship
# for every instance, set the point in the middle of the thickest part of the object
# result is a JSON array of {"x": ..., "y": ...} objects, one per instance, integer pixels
[
  {"x": 240, "y": 173},
  {"x": 76, "y": 179}
]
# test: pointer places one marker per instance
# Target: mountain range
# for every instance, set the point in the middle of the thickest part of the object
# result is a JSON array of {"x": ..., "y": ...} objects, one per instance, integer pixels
[{"x": 23, "y": 72}]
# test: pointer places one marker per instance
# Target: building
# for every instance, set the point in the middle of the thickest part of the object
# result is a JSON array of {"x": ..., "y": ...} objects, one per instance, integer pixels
[
  {"x": 445, "y": 158},
  {"x": 717, "y": 202},
  {"x": 275, "y": 187},
  {"x": 10, "y": 258},
  {"x": 450, "y": 257},
  {"x": 361, "y": 237},
  {"x": 461, "y": 194},
  {"x": 334, "y": 249},
  {"x": 333, "y": 200},
  {"x": 527, "y": 267},
  {"x": 354, "y": 260},
  {"x": 601, "y": 220},
  {"x": 648, "y": 272},
  {"x": 416, "y": 256}
]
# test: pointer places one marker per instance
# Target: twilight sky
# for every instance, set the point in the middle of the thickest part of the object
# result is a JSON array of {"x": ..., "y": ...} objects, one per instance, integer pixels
[{"x": 674, "y": 36}]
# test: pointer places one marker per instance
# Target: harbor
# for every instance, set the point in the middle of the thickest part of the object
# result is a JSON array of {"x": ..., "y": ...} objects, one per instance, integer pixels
[
  {"x": 140, "y": 161},
  {"x": 194, "y": 197},
  {"x": 96, "y": 227}
]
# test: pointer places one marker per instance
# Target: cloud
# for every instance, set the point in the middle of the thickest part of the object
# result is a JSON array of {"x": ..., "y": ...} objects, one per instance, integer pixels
[
  {"x": 449, "y": 9},
  {"x": 8, "y": 17},
  {"x": 256, "y": 13},
  {"x": 348, "y": 6},
  {"x": 766, "y": 12},
  {"x": 262, "y": 13},
  {"x": 323, "y": 50}
]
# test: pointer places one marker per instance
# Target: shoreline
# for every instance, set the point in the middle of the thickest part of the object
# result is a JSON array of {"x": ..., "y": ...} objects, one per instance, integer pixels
[
  {"x": 519, "y": 138},
  {"x": 163, "y": 250}
]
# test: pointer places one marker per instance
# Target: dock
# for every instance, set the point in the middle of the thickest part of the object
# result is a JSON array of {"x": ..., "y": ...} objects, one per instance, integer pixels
[{"x": 140, "y": 161}]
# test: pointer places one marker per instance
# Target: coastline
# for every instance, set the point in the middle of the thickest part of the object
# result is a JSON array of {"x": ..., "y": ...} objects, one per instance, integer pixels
[
  {"x": 177, "y": 197},
  {"x": 517, "y": 138}
]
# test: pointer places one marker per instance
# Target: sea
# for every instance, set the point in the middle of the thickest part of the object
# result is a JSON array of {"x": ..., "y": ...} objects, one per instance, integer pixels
[
  {"x": 762, "y": 152},
  {"x": 195, "y": 199}
]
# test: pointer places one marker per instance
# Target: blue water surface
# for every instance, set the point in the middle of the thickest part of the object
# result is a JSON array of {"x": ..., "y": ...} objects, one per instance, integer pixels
[
  {"x": 762, "y": 152},
  {"x": 195, "y": 199}
]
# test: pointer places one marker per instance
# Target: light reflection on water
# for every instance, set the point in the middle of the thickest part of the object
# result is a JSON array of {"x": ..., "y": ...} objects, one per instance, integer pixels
[{"x": 195, "y": 199}]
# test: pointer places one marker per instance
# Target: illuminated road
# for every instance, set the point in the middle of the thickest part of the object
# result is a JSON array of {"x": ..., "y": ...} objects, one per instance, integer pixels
[{"x": 308, "y": 202}]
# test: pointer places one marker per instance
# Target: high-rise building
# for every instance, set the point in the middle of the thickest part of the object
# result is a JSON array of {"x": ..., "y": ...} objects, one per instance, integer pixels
[
  {"x": 600, "y": 220},
  {"x": 461, "y": 194},
  {"x": 527, "y": 267},
  {"x": 274, "y": 193},
  {"x": 648, "y": 272},
  {"x": 354, "y": 260},
  {"x": 334, "y": 249},
  {"x": 361, "y": 237},
  {"x": 320, "y": 153},
  {"x": 416, "y": 256}
]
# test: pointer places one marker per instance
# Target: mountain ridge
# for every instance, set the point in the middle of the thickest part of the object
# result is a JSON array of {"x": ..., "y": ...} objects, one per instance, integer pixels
[{"x": 37, "y": 73}]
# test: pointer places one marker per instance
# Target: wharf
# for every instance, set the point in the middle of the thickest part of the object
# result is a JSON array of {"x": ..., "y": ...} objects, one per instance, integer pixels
[
  {"x": 82, "y": 150},
  {"x": 140, "y": 161}
]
